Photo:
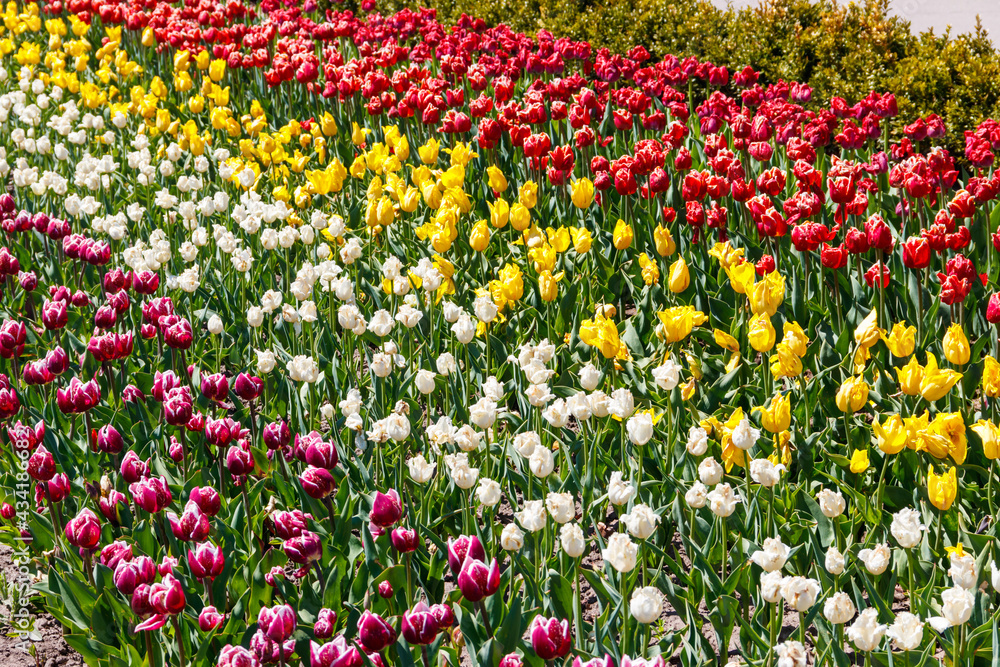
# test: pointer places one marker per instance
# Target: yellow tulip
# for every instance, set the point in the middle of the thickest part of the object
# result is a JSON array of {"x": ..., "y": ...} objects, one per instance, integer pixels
[
  {"x": 990, "y": 436},
  {"x": 727, "y": 255},
  {"x": 942, "y": 489},
  {"x": 479, "y": 239},
  {"x": 665, "y": 245},
  {"x": 910, "y": 377},
  {"x": 936, "y": 382},
  {"x": 767, "y": 295},
  {"x": 520, "y": 217},
  {"x": 777, "y": 415},
  {"x": 852, "y": 395},
  {"x": 868, "y": 333},
  {"x": 724, "y": 340},
  {"x": 949, "y": 425},
  {"x": 512, "y": 281},
  {"x": 623, "y": 235},
  {"x": 761, "y": 334},
  {"x": 956, "y": 346},
  {"x": 217, "y": 70},
  {"x": 991, "y": 377},
  {"x": 650, "y": 270},
  {"x": 742, "y": 277},
  {"x": 429, "y": 151},
  {"x": 548, "y": 285},
  {"x": 785, "y": 363},
  {"x": 495, "y": 179},
  {"x": 859, "y": 461},
  {"x": 679, "y": 278},
  {"x": 795, "y": 338},
  {"x": 901, "y": 340},
  {"x": 679, "y": 321},
  {"x": 528, "y": 194},
  {"x": 582, "y": 239},
  {"x": 499, "y": 213},
  {"x": 890, "y": 434},
  {"x": 601, "y": 333},
  {"x": 583, "y": 193},
  {"x": 359, "y": 134}
]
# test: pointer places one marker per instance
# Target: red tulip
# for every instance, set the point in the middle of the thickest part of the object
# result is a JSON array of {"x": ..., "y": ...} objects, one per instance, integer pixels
[
  {"x": 206, "y": 561},
  {"x": 374, "y": 633},
  {"x": 84, "y": 530},
  {"x": 462, "y": 547}
]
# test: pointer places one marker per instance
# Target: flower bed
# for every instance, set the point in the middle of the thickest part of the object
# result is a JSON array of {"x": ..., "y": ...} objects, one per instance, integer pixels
[{"x": 351, "y": 340}]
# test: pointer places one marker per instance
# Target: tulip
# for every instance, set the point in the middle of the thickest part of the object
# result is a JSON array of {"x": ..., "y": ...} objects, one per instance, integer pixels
[
  {"x": 387, "y": 509},
  {"x": 942, "y": 489},
  {"x": 84, "y": 531},
  {"x": 852, "y": 395},
  {"x": 248, "y": 387},
  {"x": 206, "y": 561},
  {"x": 678, "y": 278},
  {"x": 115, "y": 553},
  {"x": 337, "y": 653},
  {"x": 623, "y": 235},
  {"x": 303, "y": 549},
  {"x": 550, "y": 637},
  {"x": 956, "y": 346},
  {"x": 318, "y": 483},
  {"x": 326, "y": 622},
  {"x": 464, "y": 546},
  {"x": 419, "y": 625},
  {"x": 207, "y": 499},
  {"x": 936, "y": 382},
  {"x": 476, "y": 580},
  {"x": 167, "y": 596},
  {"x": 374, "y": 633},
  {"x": 278, "y": 622},
  {"x": 444, "y": 615},
  {"x": 405, "y": 540},
  {"x": 210, "y": 619}
]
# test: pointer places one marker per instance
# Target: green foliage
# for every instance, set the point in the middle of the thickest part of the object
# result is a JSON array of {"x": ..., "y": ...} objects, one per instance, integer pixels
[{"x": 839, "y": 49}]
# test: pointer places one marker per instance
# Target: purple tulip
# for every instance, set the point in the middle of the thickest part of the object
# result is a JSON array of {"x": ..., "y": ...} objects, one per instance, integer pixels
[
  {"x": 419, "y": 625},
  {"x": 462, "y": 546},
  {"x": 374, "y": 633},
  {"x": 477, "y": 581},
  {"x": 550, "y": 637}
]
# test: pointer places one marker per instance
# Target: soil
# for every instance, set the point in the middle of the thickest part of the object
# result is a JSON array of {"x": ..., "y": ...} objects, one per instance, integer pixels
[{"x": 51, "y": 650}]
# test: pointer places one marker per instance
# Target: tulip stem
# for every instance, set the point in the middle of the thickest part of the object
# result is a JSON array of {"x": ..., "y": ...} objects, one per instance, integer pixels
[
  {"x": 486, "y": 620},
  {"x": 427, "y": 660},
  {"x": 578, "y": 607},
  {"x": 150, "y": 654},
  {"x": 180, "y": 640}
]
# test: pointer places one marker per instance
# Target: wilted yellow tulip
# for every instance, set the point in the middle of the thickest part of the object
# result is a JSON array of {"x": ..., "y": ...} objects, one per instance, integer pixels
[
  {"x": 785, "y": 363},
  {"x": 479, "y": 239},
  {"x": 650, "y": 270},
  {"x": 665, "y": 245},
  {"x": 859, "y": 461},
  {"x": 910, "y": 377},
  {"x": 936, "y": 382},
  {"x": 583, "y": 193},
  {"x": 767, "y": 295},
  {"x": 679, "y": 278},
  {"x": 901, "y": 340},
  {"x": 890, "y": 434},
  {"x": 942, "y": 489},
  {"x": 956, "y": 346},
  {"x": 991, "y": 377},
  {"x": 722, "y": 339},
  {"x": 679, "y": 321},
  {"x": 528, "y": 194},
  {"x": 990, "y": 436},
  {"x": 495, "y": 179},
  {"x": 777, "y": 415},
  {"x": 950, "y": 426},
  {"x": 868, "y": 333},
  {"x": 623, "y": 235},
  {"x": 761, "y": 334},
  {"x": 852, "y": 394},
  {"x": 795, "y": 338}
]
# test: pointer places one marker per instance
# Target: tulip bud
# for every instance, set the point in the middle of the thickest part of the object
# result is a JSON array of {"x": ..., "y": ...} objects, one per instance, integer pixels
[
  {"x": 210, "y": 619},
  {"x": 404, "y": 540},
  {"x": 326, "y": 622},
  {"x": 385, "y": 590}
]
